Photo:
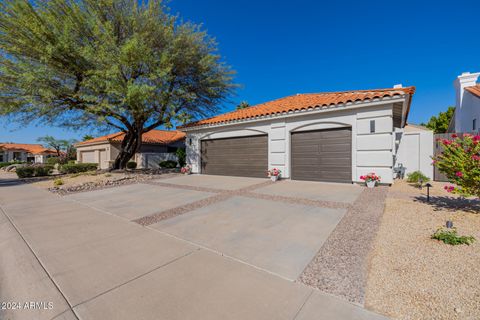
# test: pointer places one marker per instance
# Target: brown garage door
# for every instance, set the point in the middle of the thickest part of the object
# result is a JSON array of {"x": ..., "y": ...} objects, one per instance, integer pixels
[
  {"x": 322, "y": 155},
  {"x": 244, "y": 157}
]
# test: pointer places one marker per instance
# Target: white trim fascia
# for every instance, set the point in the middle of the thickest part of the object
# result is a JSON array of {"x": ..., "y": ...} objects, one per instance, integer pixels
[
  {"x": 92, "y": 144},
  {"x": 312, "y": 110}
]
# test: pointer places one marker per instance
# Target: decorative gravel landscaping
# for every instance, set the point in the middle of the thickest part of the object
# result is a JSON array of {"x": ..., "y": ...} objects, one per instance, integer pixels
[
  {"x": 340, "y": 266},
  {"x": 412, "y": 276},
  {"x": 89, "y": 181}
]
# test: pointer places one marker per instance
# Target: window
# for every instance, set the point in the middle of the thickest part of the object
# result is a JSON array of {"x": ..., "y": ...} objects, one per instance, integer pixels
[
  {"x": 1, "y": 157},
  {"x": 474, "y": 125},
  {"x": 372, "y": 126},
  {"x": 17, "y": 156}
]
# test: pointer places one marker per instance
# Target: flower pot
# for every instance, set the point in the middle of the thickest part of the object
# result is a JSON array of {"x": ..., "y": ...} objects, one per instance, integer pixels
[
  {"x": 371, "y": 184},
  {"x": 187, "y": 173},
  {"x": 274, "y": 178}
]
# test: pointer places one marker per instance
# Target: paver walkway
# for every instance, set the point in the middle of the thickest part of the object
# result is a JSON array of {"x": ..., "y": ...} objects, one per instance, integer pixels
[{"x": 83, "y": 263}]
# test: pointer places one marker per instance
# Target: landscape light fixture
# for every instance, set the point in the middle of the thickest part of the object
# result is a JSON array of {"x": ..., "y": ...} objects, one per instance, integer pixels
[
  {"x": 428, "y": 185},
  {"x": 449, "y": 224}
]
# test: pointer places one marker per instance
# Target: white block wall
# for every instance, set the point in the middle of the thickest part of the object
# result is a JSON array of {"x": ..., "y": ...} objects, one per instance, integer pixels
[
  {"x": 371, "y": 152},
  {"x": 415, "y": 152}
]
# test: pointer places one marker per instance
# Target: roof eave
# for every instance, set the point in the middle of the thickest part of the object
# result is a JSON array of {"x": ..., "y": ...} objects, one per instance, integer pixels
[{"x": 310, "y": 110}]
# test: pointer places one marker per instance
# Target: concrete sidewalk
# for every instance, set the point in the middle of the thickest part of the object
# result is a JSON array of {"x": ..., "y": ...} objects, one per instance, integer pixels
[{"x": 93, "y": 265}]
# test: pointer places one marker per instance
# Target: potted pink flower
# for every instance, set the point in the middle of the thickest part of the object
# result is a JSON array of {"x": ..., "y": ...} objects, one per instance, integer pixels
[
  {"x": 186, "y": 170},
  {"x": 371, "y": 179},
  {"x": 274, "y": 174}
]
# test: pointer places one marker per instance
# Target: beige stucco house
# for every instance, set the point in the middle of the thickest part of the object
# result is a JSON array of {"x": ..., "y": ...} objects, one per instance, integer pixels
[{"x": 157, "y": 146}]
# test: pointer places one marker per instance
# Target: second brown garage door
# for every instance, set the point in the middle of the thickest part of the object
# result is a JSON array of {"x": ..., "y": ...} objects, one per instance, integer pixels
[
  {"x": 322, "y": 155},
  {"x": 244, "y": 156}
]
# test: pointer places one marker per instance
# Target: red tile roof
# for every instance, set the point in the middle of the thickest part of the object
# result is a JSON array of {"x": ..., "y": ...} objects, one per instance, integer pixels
[
  {"x": 151, "y": 137},
  {"x": 475, "y": 90},
  {"x": 30, "y": 148},
  {"x": 303, "y": 102}
]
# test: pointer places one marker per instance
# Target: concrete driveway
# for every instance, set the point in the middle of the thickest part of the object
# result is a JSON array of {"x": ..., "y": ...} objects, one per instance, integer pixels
[{"x": 188, "y": 247}]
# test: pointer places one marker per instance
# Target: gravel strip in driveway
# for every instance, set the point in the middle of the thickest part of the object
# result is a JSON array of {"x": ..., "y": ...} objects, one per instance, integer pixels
[
  {"x": 294, "y": 200},
  {"x": 222, "y": 195},
  {"x": 184, "y": 187},
  {"x": 340, "y": 266}
]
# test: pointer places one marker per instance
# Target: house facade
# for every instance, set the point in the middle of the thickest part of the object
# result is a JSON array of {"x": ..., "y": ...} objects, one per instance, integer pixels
[
  {"x": 467, "y": 104},
  {"x": 32, "y": 153},
  {"x": 332, "y": 137},
  {"x": 157, "y": 146}
]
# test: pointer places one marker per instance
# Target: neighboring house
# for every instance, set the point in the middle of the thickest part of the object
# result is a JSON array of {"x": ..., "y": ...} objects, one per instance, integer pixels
[
  {"x": 335, "y": 137},
  {"x": 467, "y": 105},
  {"x": 157, "y": 146},
  {"x": 33, "y": 153}
]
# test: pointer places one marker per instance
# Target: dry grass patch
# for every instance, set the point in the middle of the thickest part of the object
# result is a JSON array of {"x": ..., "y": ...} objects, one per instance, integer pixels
[{"x": 412, "y": 276}]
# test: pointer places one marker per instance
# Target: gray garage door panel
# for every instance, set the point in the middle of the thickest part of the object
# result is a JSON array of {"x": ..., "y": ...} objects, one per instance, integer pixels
[
  {"x": 243, "y": 156},
  {"x": 322, "y": 155}
]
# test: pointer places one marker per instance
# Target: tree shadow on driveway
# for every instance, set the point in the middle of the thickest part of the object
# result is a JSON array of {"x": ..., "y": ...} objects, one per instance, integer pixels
[{"x": 451, "y": 203}]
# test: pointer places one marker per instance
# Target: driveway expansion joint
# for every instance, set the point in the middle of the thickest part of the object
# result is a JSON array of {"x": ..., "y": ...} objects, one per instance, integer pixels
[
  {"x": 136, "y": 278},
  {"x": 40, "y": 263}
]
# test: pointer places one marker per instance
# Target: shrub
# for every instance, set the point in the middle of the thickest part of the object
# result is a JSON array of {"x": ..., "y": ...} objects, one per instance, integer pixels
[
  {"x": 34, "y": 171},
  {"x": 78, "y": 167},
  {"x": 43, "y": 170},
  {"x": 449, "y": 236},
  {"x": 53, "y": 160},
  {"x": 25, "y": 172},
  {"x": 181, "y": 155},
  {"x": 416, "y": 176},
  {"x": 131, "y": 165},
  {"x": 58, "y": 182},
  {"x": 168, "y": 164},
  {"x": 460, "y": 162}
]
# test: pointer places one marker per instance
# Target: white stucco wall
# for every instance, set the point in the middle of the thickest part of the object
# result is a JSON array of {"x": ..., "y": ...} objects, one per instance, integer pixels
[
  {"x": 415, "y": 151},
  {"x": 371, "y": 152},
  {"x": 467, "y": 105},
  {"x": 469, "y": 110}
]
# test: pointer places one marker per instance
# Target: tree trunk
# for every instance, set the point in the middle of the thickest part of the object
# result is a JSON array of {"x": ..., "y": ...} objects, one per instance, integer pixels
[{"x": 130, "y": 145}]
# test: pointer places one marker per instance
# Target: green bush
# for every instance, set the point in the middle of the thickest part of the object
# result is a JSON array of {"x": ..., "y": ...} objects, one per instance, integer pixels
[
  {"x": 77, "y": 167},
  {"x": 449, "y": 236},
  {"x": 460, "y": 162},
  {"x": 58, "y": 182},
  {"x": 25, "y": 172},
  {"x": 53, "y": 160},
  {"x": 34, "y": 171},
  {"x": 181, "y": 155},
  {"x": 168, "y": 164},
  {"x": 416, "y": 176},
  {"x": 131, "y": 165}
]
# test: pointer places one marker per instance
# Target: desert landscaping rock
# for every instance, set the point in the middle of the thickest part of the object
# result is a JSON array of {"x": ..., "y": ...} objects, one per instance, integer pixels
[
  {"x": 412, "y": 276},
  {"x": 340, "y": 266}
]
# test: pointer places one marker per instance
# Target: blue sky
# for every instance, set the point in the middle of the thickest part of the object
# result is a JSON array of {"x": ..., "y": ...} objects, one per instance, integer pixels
[{"x": 279, "y": 48}]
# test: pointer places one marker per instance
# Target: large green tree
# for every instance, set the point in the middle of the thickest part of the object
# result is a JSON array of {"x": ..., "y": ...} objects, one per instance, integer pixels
[
  {"x": 440, "y": 123},
  {"x": 125, "y": 64}
]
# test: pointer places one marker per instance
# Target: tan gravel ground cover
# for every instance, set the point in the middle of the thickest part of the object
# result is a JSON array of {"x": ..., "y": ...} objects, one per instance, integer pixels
[
  {"x": 412, "y": 276},
  {"x": 76, "y": 179}
]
